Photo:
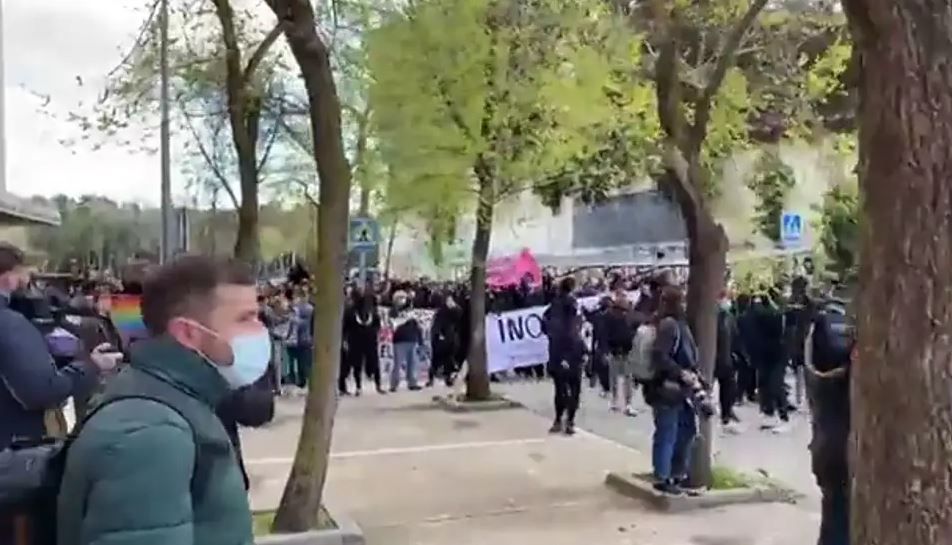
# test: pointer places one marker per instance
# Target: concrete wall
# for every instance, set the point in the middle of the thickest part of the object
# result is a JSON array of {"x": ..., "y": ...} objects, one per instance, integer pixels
[{"x": 523, "y": 222}]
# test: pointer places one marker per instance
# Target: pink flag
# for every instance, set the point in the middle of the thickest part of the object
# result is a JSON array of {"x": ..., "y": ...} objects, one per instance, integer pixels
[{"x": 510, "y": 270}]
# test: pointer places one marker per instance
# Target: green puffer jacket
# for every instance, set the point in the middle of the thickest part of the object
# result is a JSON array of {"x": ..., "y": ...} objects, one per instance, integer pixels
[{"x": 131, "y": 475}]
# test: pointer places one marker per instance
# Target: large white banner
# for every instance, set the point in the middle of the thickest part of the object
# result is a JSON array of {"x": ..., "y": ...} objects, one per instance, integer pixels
[{"x": 513, "y": 339}]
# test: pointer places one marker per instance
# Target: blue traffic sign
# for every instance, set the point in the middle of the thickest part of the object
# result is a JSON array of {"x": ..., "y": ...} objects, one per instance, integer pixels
[
  {"x": 364, "y": 234},
  {"x": 791, "y": 229}
]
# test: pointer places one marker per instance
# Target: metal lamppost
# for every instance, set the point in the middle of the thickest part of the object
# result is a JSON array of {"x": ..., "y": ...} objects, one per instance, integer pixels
[{"x": 165, "y": 153}]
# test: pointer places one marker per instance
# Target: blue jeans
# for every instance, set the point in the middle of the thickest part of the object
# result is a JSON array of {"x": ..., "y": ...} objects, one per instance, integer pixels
[
  {"x": 835, "y": 524},
  {"x": 675, "y": 428},
  {"x": 405, "y": 356}
]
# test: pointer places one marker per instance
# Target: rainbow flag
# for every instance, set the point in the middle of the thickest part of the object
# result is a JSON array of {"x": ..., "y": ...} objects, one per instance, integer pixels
[{"x": 126, "y": 315}]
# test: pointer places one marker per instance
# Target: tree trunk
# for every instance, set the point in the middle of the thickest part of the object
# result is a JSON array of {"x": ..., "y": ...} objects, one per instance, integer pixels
[
  {"x": 390, "y": 240},
  {"x": 707, "y": 250},
  {"x": 477, "y": 377},
  {"x": 902, "y": 382},
  {"x": 247, "y": 243},
  {"x": 301, "y": 501}
]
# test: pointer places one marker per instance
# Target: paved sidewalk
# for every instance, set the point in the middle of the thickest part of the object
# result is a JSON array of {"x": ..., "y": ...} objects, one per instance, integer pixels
[
  {"x": 784, "y": 456},
  {"x": 413, "y": 475}
]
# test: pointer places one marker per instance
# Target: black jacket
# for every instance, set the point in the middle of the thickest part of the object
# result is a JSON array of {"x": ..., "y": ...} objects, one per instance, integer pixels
[
  {"x": 251, "y": 406},
  {"x": 361, "y": 325},
  {"x": 445, "y": 331},
  {"x": 829, "y": 398},
  {"x": 557, "y": 326}
]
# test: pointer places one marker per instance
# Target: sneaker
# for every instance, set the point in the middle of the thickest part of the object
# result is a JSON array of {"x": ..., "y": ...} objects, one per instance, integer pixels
[
  {"x": 613, "y": 408},
  {"x": 630, "y": 411},
  {"x": 781, "y": 428},
  {"x": 381, "y": 391},
  {"x": 556, "y": 427},
  {"x": 414, "y": 388},
  {"x": 357, "y": 392},
  {"x": 769, "y": 423},
  {"x": 668, "y": 487},
  {"x": 569, "y": 428}
]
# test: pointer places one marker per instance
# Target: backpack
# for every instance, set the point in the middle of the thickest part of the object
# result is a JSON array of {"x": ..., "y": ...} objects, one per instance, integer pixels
[
  {"x": 31, "y": 473},
  {"x": 639, "y": 358},
  {"x": 833, "y": 339}
]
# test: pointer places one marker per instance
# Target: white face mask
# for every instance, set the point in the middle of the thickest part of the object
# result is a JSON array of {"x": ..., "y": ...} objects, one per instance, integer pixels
[{"x": 251, "y": 353}]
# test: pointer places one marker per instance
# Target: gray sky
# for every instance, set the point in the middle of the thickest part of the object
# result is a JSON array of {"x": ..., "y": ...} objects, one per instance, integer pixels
[{"x": 47, "y": 44}]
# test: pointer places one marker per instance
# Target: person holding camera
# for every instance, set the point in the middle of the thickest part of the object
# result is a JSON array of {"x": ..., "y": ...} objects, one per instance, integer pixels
[{"x": 672, "y": 393}]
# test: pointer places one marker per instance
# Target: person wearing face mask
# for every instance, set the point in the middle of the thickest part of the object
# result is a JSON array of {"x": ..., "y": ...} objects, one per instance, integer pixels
[
  {"x": 154, "y": 441},
  {"x": 724, "y": 370}
]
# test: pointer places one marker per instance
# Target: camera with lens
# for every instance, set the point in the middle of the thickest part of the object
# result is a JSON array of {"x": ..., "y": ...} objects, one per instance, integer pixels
[{"x": 700, "y": 400}]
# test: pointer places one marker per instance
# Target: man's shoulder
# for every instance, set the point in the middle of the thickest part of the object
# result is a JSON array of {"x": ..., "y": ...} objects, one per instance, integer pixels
[{"x": 125, "y": 413}]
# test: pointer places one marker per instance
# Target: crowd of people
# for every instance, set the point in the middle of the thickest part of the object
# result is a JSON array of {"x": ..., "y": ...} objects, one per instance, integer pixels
[{"x": 220, "y": 346}]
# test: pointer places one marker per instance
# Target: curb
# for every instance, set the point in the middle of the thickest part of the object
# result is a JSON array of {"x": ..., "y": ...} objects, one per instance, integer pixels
[
  {"x": 455, "y": 404},
  {"x": 347, "y": 532},
  {"x": 638, "y": 488}
]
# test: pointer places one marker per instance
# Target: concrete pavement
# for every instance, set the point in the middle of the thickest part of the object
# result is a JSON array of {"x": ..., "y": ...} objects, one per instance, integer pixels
[
  {"x": 411, "y": 474},
  {"x": 781, "y": 456}
]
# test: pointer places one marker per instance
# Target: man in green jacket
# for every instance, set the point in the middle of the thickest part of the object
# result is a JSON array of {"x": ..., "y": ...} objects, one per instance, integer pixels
[{"x": 152, "y": 463}]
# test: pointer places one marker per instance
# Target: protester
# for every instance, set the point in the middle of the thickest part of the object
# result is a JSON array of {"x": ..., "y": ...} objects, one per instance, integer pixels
[
  {"x": 407, "y": 339},
  {"x": 444, "y": 340},
  {"x": 153, "y": 463},
  {"x": 361, "y": 332},
  {"x": 301, "y": 345},
  {"x": 724, "y": 370},
  {"x": 830, "y": 354},
  {"x": 561, "y": 325}
]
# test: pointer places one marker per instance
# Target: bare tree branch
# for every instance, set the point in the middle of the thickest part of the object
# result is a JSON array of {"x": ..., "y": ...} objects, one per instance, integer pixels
[
  {"x": 261, "y": 51},
  {"x": 212, "y": 164},
  {"x": 702, "y": 110}
]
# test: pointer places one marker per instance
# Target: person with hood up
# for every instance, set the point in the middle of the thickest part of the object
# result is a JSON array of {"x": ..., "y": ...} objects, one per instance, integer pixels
[
  {"x": 561, "y": 323},
  {"x": 361, "y": 331},
  {"x": 444, "y": 340}
]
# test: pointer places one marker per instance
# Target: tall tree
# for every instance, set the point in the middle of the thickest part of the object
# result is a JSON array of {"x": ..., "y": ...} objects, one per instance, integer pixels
[
  {"x": 228, "y": 87},
  {"x": 902, "y": 494},
  {"x": 478, "y": 100},
  {"x": 301, "y": 501}
]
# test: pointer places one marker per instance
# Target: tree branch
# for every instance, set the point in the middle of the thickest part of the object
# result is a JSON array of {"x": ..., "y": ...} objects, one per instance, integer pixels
[
  {"x": 212, "y": 164},
  {"x": 261, "y": 51},
  {"x": 702, "y": 109}
]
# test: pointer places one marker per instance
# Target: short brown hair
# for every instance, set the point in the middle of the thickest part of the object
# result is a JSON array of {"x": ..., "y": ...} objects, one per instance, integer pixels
[
  {"x": 11, "y": 257},
  {"x": 185, "y": 286},
  {"x": 672, "y": 302}
]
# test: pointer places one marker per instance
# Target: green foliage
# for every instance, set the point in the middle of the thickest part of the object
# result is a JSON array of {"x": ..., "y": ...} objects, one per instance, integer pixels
[
  {"x": 839, "y": 230},
  {"x": 771, "y": 181},
  {"x": 524, "y": 87}
]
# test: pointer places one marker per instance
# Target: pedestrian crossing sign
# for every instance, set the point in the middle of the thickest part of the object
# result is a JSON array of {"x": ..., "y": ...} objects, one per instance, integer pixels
[
  {"x": 364, "y": 234},
  {"x": 791, "y": 229}
]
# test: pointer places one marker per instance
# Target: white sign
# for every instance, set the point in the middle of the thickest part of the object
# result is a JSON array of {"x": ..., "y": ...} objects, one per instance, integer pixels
[
  {"x": 791, "y": 229},
  {"x": 515, "y": 339}
]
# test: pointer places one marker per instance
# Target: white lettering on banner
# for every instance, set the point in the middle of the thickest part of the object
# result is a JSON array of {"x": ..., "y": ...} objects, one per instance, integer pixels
[{"x": 513, "y": 339}]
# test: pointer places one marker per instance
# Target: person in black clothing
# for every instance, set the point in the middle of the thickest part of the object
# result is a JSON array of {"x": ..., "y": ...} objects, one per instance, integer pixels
[
  {"x": 361, "y": 330},
  {"x": 562, "y": 325},
  {"x": 444, "y": 340},
  {"x": 769, "y": 356},
  {"x": 724, "y": 370},
  {"x": 832, "y": 348},
  {"x": 744, "y": 339},
  {"x": 598, "y": 364},
  {"x": 798, "y": 318}
]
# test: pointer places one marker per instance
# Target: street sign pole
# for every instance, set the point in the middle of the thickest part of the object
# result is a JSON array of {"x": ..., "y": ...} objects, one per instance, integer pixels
[
  {"x": 364, "y": 238},
  {"x": 362, "y": 268}
]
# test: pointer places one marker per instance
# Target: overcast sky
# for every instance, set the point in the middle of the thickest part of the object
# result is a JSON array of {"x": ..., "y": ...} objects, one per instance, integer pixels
[{"x": 47, "y": 44}]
